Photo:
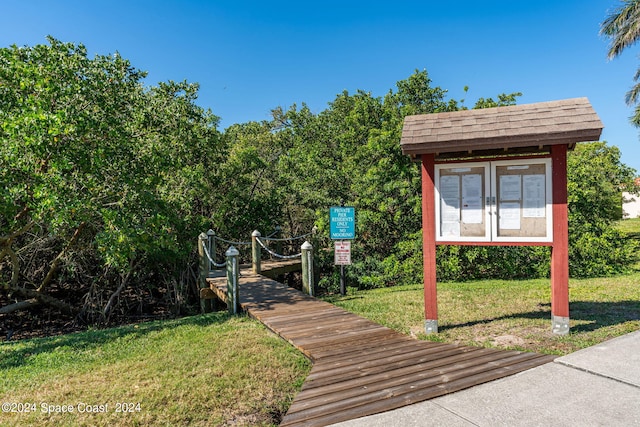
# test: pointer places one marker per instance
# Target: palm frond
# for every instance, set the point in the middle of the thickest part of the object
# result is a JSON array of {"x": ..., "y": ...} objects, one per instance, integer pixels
[
  {"x": 622, "y": 26},
  {"x": 632, "y": 95}
]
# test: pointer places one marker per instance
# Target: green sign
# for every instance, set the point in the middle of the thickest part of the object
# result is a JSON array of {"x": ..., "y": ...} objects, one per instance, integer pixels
[{"x": 342, "y": 222}]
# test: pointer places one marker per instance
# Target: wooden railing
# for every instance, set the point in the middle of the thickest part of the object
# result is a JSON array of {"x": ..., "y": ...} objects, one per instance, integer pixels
[{"x": 207, "y": 247}]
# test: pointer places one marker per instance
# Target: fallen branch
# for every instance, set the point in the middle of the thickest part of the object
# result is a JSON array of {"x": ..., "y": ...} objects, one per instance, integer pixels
[
  {"x": 21, "y": 305},
  {"x": 44, "y": 299}
]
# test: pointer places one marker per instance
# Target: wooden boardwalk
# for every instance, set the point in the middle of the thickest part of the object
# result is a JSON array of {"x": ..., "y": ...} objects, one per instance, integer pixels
[{"x": 359, "y": 367}]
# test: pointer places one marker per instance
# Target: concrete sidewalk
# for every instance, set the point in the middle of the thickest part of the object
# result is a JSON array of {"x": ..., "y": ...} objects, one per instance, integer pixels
[{"x": 597, "y": 386}]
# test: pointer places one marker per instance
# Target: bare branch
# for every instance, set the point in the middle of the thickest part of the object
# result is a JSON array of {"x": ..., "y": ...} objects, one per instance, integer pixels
[
  {"x": 6, "y": 240},
  {"x": 44, "y": 299},
  {"x": 22, "y": 213},
  {"x": 54, "y": 265},
  {"x": 125, "y": 280},
  {"x": 15, "y": 265}
]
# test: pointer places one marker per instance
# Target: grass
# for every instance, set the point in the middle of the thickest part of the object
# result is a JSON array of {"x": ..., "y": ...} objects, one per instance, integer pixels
[
  {"x": 216, "y": 370},
  {"x": 630, "y": 226},
  {"x": 511, "y": 314},
  {"x": 507, "y": 314},
  {"x": 208, "y": 370}
]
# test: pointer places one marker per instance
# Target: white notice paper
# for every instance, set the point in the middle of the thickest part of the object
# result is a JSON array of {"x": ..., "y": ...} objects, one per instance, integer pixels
[
  {"x": 450, "y": 206},
  {"x": 472, "y": 199},
  {"x": 510, "y": 187},
  {"x": 450, "y": 229},
  {"x": 450, "y": 197},
  {"x": 533, "y": 197},
  {"x": 509, "y": 216}
]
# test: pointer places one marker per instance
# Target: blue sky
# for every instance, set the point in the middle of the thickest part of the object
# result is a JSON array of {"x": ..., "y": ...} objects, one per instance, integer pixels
[{"x": 250, "y": 57}]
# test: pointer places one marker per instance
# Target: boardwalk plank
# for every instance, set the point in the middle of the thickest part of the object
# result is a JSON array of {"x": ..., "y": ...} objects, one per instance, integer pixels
[
  {"x": 331, "y": 331},
  {"x": 360, "y": 348},
  {"x": 395, "y": 376},
  {"x": 309, "y": 316},
  {"x": 388, "y": 396},
  {"x": 330, "y": 347},
  {"x": 361, "y": 368},
  {"x": 323, "y": 327},
  {"x": 377, "y": 353},
  {"x": 384, "y": 364}
]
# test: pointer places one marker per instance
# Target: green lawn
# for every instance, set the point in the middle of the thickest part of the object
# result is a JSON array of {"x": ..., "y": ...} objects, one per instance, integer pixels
[
  {"x": 630, "y": 226},
  {"x": 508, "y": 314},
  {"x": 205, "y": 371},
  {"x": 219, "y": 370}
]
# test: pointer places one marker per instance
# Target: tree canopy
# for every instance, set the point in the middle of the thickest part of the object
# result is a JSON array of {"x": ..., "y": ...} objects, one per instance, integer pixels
[
  {"x": 107, "y": 184},
  {"x": 96, "y": 170}
]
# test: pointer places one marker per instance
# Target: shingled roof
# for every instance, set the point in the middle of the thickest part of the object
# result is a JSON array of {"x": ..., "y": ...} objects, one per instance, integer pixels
[{"x": 512, "y": 129}]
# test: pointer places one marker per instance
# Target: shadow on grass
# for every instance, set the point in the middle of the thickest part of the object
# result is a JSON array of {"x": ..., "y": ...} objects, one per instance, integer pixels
[
  {"x": 17, "y": 353},
  {"x": 596, "y": 315},
  {"x": 601, "y": 314}
]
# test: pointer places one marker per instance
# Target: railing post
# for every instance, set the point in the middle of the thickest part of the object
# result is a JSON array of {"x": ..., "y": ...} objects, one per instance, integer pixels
[
  {"x": 211, "y": 246},
  {"x": 233, "y": 273},
  {"x": 255, "y": 252},
  {"x": 205, "y": 304},
  {"x": 307, "y": 268}
]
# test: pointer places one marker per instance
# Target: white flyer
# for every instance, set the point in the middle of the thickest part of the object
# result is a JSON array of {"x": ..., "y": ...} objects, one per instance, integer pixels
[
  {"x": 533, "y": 197},
  {"x": 510, "y": 187},
  {"x": 509, "y": 216},
  {"x": 472, "y": 199}
]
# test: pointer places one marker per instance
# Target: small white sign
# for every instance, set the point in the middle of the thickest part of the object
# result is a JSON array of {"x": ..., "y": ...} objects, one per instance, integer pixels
[
  {"x": 342, "y": 253},
  {"x": 509, "y": 216}
]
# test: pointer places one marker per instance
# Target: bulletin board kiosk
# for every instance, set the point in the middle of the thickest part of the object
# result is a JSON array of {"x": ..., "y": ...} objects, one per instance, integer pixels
[{"x": 498, "y": 176}]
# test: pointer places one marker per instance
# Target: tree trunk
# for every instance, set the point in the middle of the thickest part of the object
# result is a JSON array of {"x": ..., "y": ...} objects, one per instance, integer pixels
[{"x": 37, "y": 296}]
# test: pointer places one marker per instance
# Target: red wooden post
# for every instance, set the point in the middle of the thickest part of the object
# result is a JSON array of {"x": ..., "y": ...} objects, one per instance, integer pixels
[
  {"x": 429, "y": 244},
  {"x": 560, "y": 248}
]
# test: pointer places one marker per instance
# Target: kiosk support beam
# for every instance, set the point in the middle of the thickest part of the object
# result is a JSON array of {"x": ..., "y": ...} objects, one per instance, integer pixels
[
  {"x": 429, "y": 244},
  {"x": 560, "y": 248}
]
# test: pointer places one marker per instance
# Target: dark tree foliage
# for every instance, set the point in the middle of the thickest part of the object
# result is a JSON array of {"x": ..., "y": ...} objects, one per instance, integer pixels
[
  {"x": 107, "y": 184},
  {"x": 103, "y": 180}
]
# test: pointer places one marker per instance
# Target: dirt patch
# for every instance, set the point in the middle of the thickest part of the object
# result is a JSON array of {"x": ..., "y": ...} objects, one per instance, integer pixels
[
  {"x": 508, "y": 341},
  {"x": 416, "y": 331}
]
